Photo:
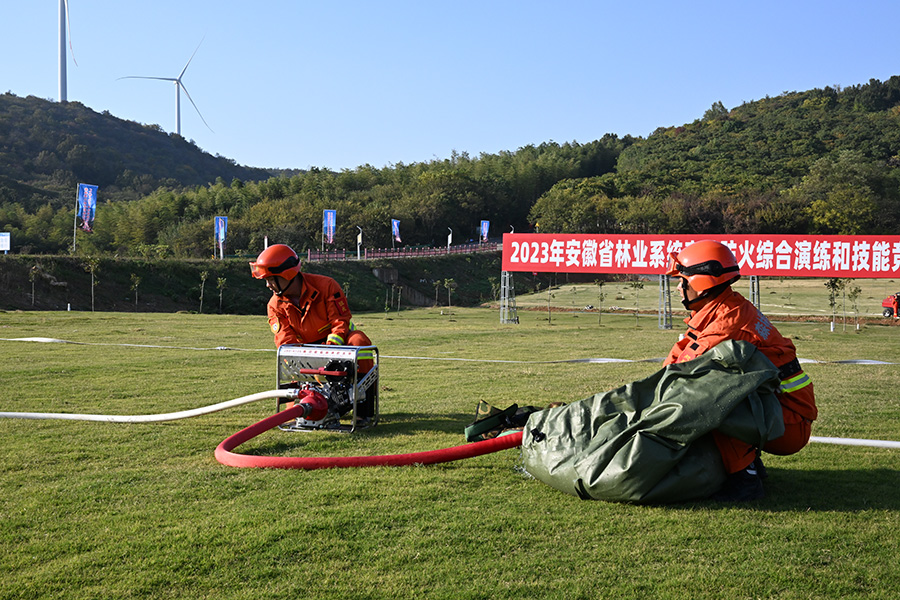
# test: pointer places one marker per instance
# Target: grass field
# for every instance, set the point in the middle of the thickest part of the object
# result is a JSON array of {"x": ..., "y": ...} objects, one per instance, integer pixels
[
  {"x": 99, "y": 510},
  {"x": 807, "y": 296}
]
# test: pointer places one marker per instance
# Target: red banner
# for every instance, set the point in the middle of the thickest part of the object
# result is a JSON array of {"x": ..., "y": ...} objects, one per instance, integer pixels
[{"x": 857, "y": 256}]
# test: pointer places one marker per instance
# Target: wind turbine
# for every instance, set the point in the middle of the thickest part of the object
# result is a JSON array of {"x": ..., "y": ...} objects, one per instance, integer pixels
[
  {"x": 179, "y": 86},
  {"x": 63, "y": 20}
]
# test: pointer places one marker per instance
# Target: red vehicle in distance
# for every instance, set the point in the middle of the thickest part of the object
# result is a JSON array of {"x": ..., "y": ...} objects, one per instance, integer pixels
[{"x": 891, "y": 306}]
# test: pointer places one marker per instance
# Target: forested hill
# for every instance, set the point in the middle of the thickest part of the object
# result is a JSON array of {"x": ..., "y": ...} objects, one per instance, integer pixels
[
  {"x": 770, "y": 143},
  {"x": 821, "y": 161},
  {"x": 47, "y": 148}
]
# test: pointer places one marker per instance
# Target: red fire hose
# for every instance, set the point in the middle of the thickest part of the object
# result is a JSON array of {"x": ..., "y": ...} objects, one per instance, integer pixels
[{"x": 225, "y": 455}]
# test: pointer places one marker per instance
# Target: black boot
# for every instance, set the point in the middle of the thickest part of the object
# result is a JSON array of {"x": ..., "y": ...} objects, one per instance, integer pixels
[
  {"x": 742, "y": 486},
  {"x": 760, "y": 467}
]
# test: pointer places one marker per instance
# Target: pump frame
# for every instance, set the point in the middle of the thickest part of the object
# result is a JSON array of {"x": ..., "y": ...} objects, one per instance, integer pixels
[{"x": 304, "y": 366}]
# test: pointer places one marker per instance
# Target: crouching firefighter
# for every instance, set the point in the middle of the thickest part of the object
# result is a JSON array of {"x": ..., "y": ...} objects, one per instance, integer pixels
[
  {"x": 306, "y": 308},
  {"x": 707, "y": 270}
]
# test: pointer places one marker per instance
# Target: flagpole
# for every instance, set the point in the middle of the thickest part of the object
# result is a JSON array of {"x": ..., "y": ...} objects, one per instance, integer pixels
[{"x": 75, "y": 223}]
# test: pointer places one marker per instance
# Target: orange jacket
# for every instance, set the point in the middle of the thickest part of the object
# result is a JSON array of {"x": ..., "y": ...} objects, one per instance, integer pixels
[
  {"x": 321, "y": 314},
  {"x": 732, "y": 317}
]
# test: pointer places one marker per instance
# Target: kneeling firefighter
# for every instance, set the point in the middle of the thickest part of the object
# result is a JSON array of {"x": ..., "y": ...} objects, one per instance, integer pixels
[
  {"x": 707, "y": 270},
  {"x": 306, "y": 308}
]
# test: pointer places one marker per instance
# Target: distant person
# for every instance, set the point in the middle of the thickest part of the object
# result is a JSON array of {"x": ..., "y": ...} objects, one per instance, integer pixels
[
  {"x": 305, "y": 308},
  {"x": 707, "y": 270}
]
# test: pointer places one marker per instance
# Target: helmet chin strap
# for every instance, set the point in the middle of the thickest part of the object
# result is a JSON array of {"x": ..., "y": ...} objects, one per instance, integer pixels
[
  {"x": 281, "y": 290},
  {"x": 684, "y": 299},
  {"x": 276, "y": 281},
  {"x": 706, "y": 294}
]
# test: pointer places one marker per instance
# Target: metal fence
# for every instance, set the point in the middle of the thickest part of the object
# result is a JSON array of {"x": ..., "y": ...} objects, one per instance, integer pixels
[{"x": 370, "y": 253}]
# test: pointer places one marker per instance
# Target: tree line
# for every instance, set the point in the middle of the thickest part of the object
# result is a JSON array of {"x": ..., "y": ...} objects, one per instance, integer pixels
[
  {"x": 824, "y": 161},
  {"x": 427, "y": 198}
]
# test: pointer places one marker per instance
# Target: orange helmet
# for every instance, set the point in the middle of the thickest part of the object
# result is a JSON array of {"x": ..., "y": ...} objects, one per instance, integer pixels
[
  {"x": 705, "y": 265},
  {"x": 277, "y": 259}
]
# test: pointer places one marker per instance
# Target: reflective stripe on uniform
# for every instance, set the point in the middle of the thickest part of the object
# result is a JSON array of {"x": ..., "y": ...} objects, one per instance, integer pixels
[
  {"x": 365, "y": 354},
  {"x": 334, "y": 338},
  {"x": 794, "y": 383}
]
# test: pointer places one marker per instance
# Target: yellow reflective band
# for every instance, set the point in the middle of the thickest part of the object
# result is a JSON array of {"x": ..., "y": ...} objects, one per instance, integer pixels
[
  {"x": 352, "y": 326},
  {"x": 335, "y": 339},
  {"x": 365, "y": 354},
  {"x": 794, "y": 383}
]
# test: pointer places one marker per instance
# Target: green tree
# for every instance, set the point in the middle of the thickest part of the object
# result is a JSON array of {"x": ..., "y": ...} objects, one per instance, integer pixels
[
  {"x": 91, "y": 265},
  {"x": 135, "y": 283},
  {"x": 600, "y": 298},
  {"x": 853, "y": 295},
  {"x": 576, "y": 206},
  {"x": 220, "y": 285},
  {"x": 835, "y": 286},
  {"x": 450, "y": 284},
  {"x": 204, "y": 275},
  {"x": 32, "y": 276},
  {"x": 716, "y": 112},
  {"x": 840, "y": 194},
  {"x": 637, "y": 286}
]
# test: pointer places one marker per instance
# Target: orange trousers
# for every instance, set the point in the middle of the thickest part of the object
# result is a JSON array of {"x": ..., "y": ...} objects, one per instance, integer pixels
[{"x": 737, "y": 455}]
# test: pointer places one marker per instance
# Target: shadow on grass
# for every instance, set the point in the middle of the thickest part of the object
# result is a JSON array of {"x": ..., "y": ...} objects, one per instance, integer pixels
[
  {"x": 416, "y": 423},
  {"x": 818, "y": 490},
  {"x": 850, "y": 490},
  {"x": 391, "y": 425}
]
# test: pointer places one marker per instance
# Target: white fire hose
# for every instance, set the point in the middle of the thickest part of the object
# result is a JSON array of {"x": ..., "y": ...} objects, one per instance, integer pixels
[
  {"x": 855, "y": 442},
  {"x": 185, "y": 414},
  {"x": 292, "y": 393}
]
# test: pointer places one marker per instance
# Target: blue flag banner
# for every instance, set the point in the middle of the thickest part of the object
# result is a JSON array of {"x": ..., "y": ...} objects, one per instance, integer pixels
[
  {"x": 395, "y": 229},
  {"x": 485, "y": 225},
  {"x": 221, "y": 230},
  {"x": 329, "y": 223},
  {"x": 86, "y": 204}
]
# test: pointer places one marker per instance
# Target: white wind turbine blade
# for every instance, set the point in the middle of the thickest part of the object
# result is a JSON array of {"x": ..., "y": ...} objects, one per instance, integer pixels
[
  {"x": 177, "y": 97},
  {"x": 182, "y": 87},
  {"x": 195, "y": 106},
  {"x": 180, "y": 75},
  {"x": 140, "y": 77},
  {"x": 179, "y": 86},
  {"x": 69, "y": 26}
]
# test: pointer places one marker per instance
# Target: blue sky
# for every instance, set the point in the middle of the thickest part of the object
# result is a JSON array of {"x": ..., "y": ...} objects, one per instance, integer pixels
[{"x": 338, "y": 84}]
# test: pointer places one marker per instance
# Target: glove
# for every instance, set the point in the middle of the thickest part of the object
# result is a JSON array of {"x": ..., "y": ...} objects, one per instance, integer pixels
[{"x": 315, "y": 405}]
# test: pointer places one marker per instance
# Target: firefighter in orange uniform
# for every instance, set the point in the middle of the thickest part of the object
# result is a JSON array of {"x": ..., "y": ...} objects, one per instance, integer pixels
[
  {"x": 707, "y": 269},
  {"x": 306, "y": 308}
]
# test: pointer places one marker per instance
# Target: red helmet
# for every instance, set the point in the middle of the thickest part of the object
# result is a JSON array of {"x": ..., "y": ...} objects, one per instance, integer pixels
[
  {"x": 277, "y": 259},
  {"x": 705, "y": 265}
]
